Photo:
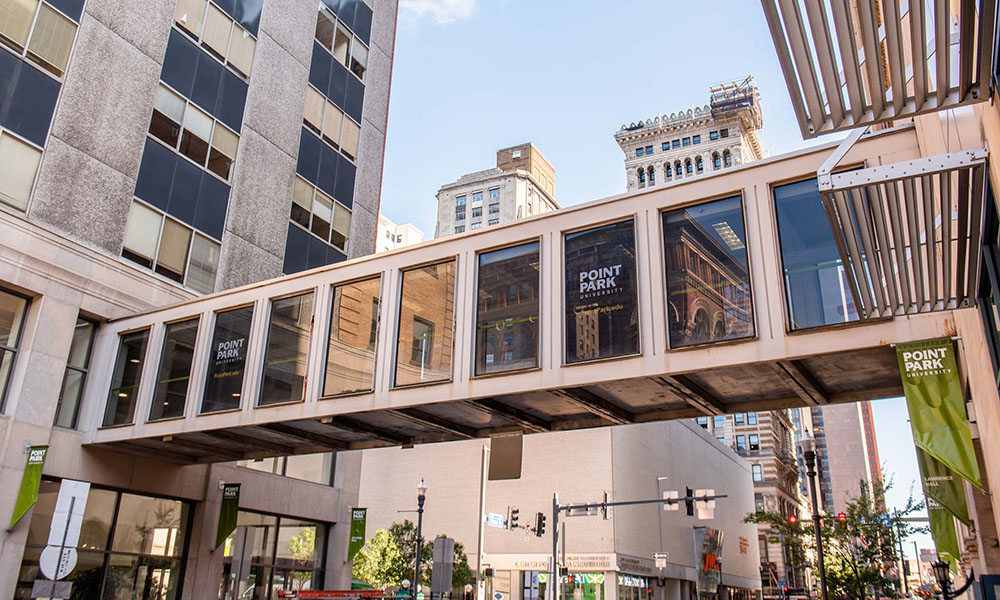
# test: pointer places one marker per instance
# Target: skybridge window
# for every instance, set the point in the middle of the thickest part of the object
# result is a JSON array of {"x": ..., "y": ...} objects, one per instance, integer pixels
[
  {"x": 507, "y": 309},
  {"x": 350, "y": 356},
  {"x": 425, "y": 342}
]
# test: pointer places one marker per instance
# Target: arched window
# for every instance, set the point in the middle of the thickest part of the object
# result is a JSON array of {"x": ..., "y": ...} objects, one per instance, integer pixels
[
  {"x": 652, "y": 176},
  {"x": 667, "y": 171},
  {"x": 688, "y": 167},
  {"x": 727, "y": 158},
  {"x": 642, "y": 177},
  {"x": 699, "y": 164},
  {"x": 678, "y": 169},
  {"x": 716, "y": 161}
]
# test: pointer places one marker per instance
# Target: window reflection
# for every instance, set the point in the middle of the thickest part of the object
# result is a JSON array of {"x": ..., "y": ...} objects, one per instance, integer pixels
[
  {"x": 227, "y": 359},
  {"x": 350, "y": 360},
  {"x": 708, "y": 278},
  {"x": 507, "y": 310},
  {"x": 426, "y": 325},
  {"x": 175, "y": 370},
  {"x": 125, "y": 378},
  {"x": 287, "y": 347},
  {"x": 816, "y": 288},
  {"x": 602, "y": 308}
]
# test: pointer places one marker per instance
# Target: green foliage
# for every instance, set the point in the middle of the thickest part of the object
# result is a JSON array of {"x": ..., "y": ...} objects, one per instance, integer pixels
[
  {"x": 303, "y": 547},
  {"x": 461, "y": 572},
  {"x": 380, "y": 563},
  {"x": 858, "y": 552}
]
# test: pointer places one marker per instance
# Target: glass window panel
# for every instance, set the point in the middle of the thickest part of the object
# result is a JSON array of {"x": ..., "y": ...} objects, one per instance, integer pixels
[
  {"x": 15, "y": 20},
  {"x": 241, "y": 47},
  {"x": 216, "y": 35},
  {"x": 602, "y": 309},
  {"x": 143, "y": 233},
  {"x": 297, "y": 544},
  {"x": 350, "y": 359},
  {"x": 167, "y": 116},
  {"x": 11, "y": 318},
  {"x": 314, "y": 109},
  {"x": 341, "y": 226},
  {"x": 190, "y": 14},
  {"x": 317, "y": 468},
  {"x": 204, "y": 264},
  {"x": 125, "y": 378},
  {"x": 816, "y": 288},
  {"x": 507, "y": 310},
  {"x": 287, "y": 349},
  {"x": 359, "y": 59},
  {"x": 332, "y": 123},
  {"x": 227, "y": 358},
  {"x": 341, "y": 45},
  {"x": 51, "y": 39},
  {"x": 18, "y": 164},
  {"x": 325, "y": 26},
  {"x": 6, "y": 363},
  {"x": 79, "y": 350},
  {"x": 97, "y": 516},
  {"x": 708, "y": 278},
  {"x": 225, "y": 141},
  {"x": 426, "y": 325},
  {"x": 352, "y": 135},
  {"x": 130, "y": 576},
  {"x": 175, "y": 370},
  {"x": 262, "y": 529},
  {"x": 322, "y": 215},
  {"x": 302, "y": 194},
  {"x": 153, "y": 526},
  {"x": 69, "y": 398},
  {"x": 198, "y": 122},
  {"x": 194, "y": 147},
  {"x": 174, "y": 244}
]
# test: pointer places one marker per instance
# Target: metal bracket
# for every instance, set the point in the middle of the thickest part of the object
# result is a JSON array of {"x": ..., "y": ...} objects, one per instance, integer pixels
[{"x": 823, "y": 174}]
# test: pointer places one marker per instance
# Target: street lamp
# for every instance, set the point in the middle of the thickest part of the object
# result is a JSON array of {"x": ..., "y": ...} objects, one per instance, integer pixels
[
  {"x": 468, "y": 591},
  {"x": 809, "y": 452},
  {"x": 421, "y": 495},
  {"x": 942, "y": 575}
]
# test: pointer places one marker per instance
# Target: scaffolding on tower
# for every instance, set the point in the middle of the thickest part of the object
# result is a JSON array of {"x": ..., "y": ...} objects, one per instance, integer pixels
[{"x": 738, "y": 98}]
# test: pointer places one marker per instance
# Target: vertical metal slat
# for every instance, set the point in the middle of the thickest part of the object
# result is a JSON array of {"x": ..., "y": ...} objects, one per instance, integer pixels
[
  {"x": 872, "y": 260},
  {"x": 899, "y": 244},
  {"x": 912, "y": 219},
  {"x": 944, "y": 181},
  {"x": 942, "y": 40},
  {"x": 918, "y": 49},
  {"x": 975, "y": 242},
  {"x": 877, "y": 199},
  {"x": 827, "y": 64},
  {"x": 987, "y": 21},
  {"x": 966, "y": 39},
  {"x": 873, "y": 57},
  {"x": 832, "y": 215},
  {"x": 963, "y": 235},
  {"x": 785, "y": 60},
  {"x": 894, "y": 46},
  {"x": 849, "y": 56},
  {"x": 867, "y": 306},
  {"x": 930, "y": 242},
  {"x": 803, "y": 60}
]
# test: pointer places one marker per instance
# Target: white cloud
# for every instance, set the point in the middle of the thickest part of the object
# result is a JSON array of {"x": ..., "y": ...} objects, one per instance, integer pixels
[{"x": 440, "y": 11}]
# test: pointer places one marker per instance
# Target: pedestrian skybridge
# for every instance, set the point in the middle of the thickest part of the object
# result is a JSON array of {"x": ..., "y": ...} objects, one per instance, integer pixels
[{"x": 723, "y": 292}]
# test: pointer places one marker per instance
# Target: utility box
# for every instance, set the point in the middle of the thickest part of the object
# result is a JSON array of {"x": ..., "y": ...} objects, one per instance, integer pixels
[{"x": 444, "y": 560}]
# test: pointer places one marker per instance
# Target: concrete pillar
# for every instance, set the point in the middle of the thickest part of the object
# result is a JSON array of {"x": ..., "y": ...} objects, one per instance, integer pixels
[
  {"x": 672, "y": 590},
  {"x": 204, "y": 562}
]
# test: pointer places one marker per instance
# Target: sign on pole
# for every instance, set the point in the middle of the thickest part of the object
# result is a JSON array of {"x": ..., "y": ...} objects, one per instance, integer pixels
[
  {"x": 228, "y": 512},
  {"x": 359, "y": 521},
  {"x": 495, "y": 520},
  {"x": 30, "y": 481},
  {"x": 58, "y": 558}
]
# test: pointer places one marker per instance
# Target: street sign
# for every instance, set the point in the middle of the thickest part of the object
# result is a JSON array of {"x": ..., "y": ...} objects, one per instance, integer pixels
[
  {"x": 661, "y": 559},
  {"x": 781, "y": 583},
  {"x": 495, "y": 520},
  {"x": 497, "y": 596}
]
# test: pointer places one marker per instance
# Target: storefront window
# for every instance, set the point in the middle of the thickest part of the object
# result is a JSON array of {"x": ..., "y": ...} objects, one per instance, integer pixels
[
  {"x": 77, "y": 365},
  {"x": 507, "y": 310},
  {"x": 529, "y": 585},
  {"x": 125, "y": 378},
  {"x": 633, "y": 587},
  {"x": 816, "y": 287},
  {"x": 267, "y": 554},
  {"x": 575, "y": 586},
  {"x": 350, "y": 358},
  {"x": 287, "y": 348},
  {"x": 602, "y": 308},
  {"x": 426, "y": 325},
  {"x": 174, "y": 375},
  {"x": 708, "y": 277},
  {"x": 227, "y": 359},
  {"x": 317, "y": 468},
  {"x": 144, "y": 560},
  {"x": 12, "y": 309}
]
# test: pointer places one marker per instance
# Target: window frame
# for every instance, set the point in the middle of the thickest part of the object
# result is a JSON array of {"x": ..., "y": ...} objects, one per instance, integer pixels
[
  {"x": 38, "y": 168},
  {"x": 5, "y": 385},
  {"x": 339, "y": 147},
  {"x": 148, "y": 329},
  {"x": 261, "y": 363},
  {"x": 756, "y": 473},
  {"x": 337, "y": 22},
  {"x": 398, "y": 309},
  {"x": 205, "y": 360},
  {"x": 84, "y": 373},
  {"x": 195, "y": 363},
  {"x": 328, "y": 306},
  {"x": 198, "y": 41},
  {"x": 312, "y": 201},
  {"x": 23, "y": 52}
]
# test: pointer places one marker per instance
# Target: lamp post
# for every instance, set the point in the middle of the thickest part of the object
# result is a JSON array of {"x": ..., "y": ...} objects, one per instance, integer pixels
[
  {"x": 941, "y": 573},
  {"x": 809, "y": 452},
  {"x": 421, "y": 495}
]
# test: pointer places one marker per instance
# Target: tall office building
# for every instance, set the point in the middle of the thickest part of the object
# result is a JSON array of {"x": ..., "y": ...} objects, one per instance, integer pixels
[
  {"x": 150, "y": 152},
  {"x": 521, "y": 185},
  {"x": 389, "y": 235},
  {"x": 848, "y": 452},
  {"x": 700, "y": 140}
]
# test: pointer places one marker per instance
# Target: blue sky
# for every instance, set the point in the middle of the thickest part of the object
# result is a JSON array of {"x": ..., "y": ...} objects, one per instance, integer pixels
[{"x": 473, "y": 76}]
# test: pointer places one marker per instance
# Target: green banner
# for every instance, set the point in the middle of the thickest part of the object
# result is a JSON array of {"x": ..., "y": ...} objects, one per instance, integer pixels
[
  {"x": 29, "y": 483},
  {"x": 943, "y": 532},
  {"x": 943, "y": 485},
  {"x": 358, "y": 518},
  {"x": 228, "y": 512},
  {"x": 936, "y": 404}
]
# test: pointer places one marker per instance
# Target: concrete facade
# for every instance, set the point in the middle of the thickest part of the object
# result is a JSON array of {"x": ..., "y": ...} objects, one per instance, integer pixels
[
  {"x": 521, "y": 185},
  {"x": 389, "y": 236}
]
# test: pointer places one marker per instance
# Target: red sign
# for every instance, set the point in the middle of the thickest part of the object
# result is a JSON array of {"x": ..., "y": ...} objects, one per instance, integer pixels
[
  {"x": 744, "y": 545},
  {"x": 327, "y": 594}
]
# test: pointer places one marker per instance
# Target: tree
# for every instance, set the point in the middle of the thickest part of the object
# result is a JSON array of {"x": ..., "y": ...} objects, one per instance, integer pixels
[
  {"x": 405, "y": 534},
  {"x": 859, "y": 551},
  {"x": 461, "y": 572},
  {"x": 303, "y": 547},
  {"x": 380, "y": 563}
]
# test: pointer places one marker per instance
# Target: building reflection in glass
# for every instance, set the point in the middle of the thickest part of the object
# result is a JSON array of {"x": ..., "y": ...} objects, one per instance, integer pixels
[
  {"x": 708, "y": 279},
  {"x": 285, "y": 353},
  {"x": 350, "y": 360},
  {"x": 816, "y": 286},
  {"x": 424, "y": 346},
  {"x": 507, "y": 310}
]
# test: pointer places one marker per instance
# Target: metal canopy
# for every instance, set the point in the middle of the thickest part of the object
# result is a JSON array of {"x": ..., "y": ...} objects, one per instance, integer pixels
[
  {"x": 908, "y": 233},
  {"x": 822, "y": 48}
]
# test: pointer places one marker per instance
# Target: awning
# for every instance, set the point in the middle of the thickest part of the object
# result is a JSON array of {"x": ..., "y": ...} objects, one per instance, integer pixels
[{"x": 822, "y": 48}]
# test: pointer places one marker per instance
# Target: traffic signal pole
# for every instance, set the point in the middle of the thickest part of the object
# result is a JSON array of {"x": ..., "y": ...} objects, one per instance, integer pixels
[
  {"x": 482, "y": 521},
  {"x": 556, "y": 576}
]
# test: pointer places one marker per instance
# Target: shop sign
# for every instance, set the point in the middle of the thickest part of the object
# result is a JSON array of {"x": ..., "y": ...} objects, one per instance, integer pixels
[
  {"x": 632, "y": 581},
  {"x": 574, "y": 578},
  {"x": 709, "y": 543},
  {"x": 744, "y": 545}
]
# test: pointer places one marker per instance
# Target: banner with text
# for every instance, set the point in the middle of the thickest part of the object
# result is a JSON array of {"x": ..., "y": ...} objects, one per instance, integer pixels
[
  {"x": 943, "y": 485},
  {"x": 30, "y": 481},
  {"x": 937, "y": 406},
  {"x": 944, "y": 534},
  {"x": 359, "y": 516},
  {"x": 228, "y": 512}
]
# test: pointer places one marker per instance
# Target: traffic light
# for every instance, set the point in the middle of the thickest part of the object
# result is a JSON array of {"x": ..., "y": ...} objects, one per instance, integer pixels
[
  {"x": 512, "y": 521},
  {"x": 841, "y": 517},
  {"x": 539, "y": 524},
  {"x": 689, "y": 503},
  {"x": 793, "y": 519}
]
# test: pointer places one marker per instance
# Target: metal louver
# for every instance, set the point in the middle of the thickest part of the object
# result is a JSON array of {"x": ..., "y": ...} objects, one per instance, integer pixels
[
  {"x": 909, "y": 233},
  {"x": 823, "y": 50}
]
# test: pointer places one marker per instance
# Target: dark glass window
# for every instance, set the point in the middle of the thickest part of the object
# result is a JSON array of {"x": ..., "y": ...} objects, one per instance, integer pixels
[
  {"x": 640, "y": 151},
  {"x": 77, "y": 365},
  {"x": 676, "y": 144},
  {"x": 713, "y": 135},
  {"x": 758, "y": 501},
  {"x": 350, "y": 357},
  {"x": 741, "y": 443},
  {"x": 426, "y": 325},
  {"x": 227, "y": 359},
  {"x": 649, "y": 150},
  {"x": 507, "y": 310},
  {"x": 752, "y": 418},
  {"x": 278, "y": 553},
  {"x": 754, "y": 441},
  {"x": 12, "y": 310},
  {"x": 696, "y": 139},
  {"x": 724, "y": 133},
  {"x": 718, "y": 422},
  {"x": 125, "y": 378},
  {"x": 708, "y": 278},
  {"x": 665, "y": 146},
  {"x": 174, "y": 375},
  {"x": 287, "y": 347},
  {"x": 739, "y": 418},
  {"x": 686, "y": 142},
  {"x": 816, "y": 288},
  {"x": 602, "y": 308},
  {"x": 703, "y": 422}
]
